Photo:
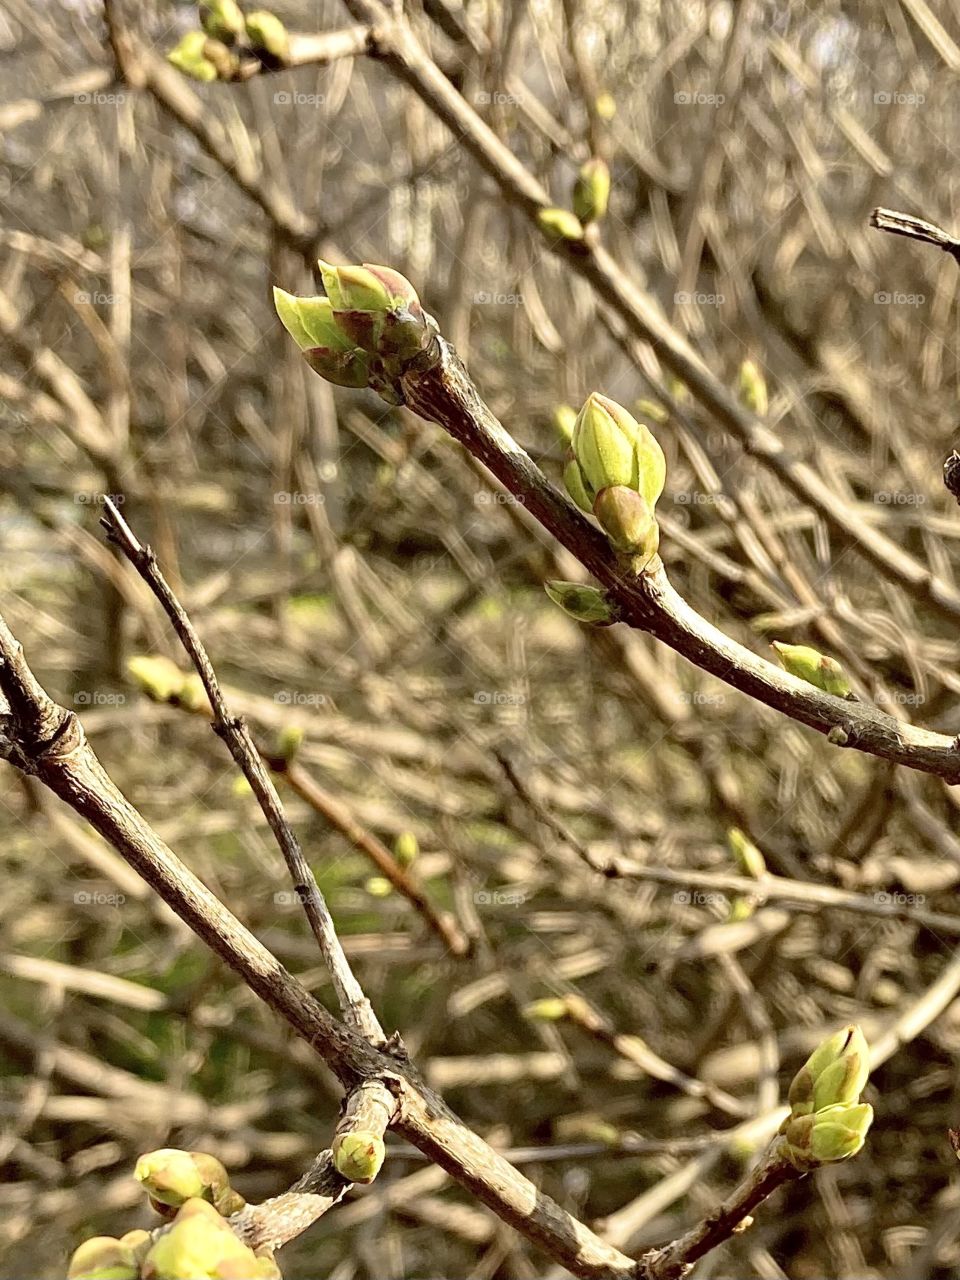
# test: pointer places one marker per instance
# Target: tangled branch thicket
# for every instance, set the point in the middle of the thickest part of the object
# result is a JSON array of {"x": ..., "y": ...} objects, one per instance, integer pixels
[{"x": 610, "y": 885}]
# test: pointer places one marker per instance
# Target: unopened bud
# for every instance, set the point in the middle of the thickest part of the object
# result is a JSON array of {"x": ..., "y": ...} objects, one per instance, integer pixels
[
  {"x": 222, "y": 19},
  {"x": 103, "y": 1258},
  {"x": 289, "y": 741},
  {"x": 652, "y": 409},
  {"x": 814, "y": 667},
  {"x": 358, "y": 1156},
  {"x": 831, "y": 1134},
  {"x": 611, "y": 447},
  {"x": 549, "y": 1009},
  {"x": 605, "y": 106},
  {"x": 753, "y": 388},
  {"x": 748, "y": 857},
  {"x": 378, "y": 886},
  {"x": 582, "y": 602},
  {"x": 328, "y": 351},
  {"x": 267, "y": 33},
  {"x": 631, "y": 526},
  {"x": 406, "y": 848},
  {"x": 560, "y": 224},
  {"x": 835, "y": 1072},
  {"x": 172, "y": 1177},
  {"x": 200, "y": 1245},
  {"x": 377, "y": 309},
  {"x": 188, "y": 56},
  {"x": 564, "y": 419},
  {"x": 225, "y": 62},
  {"x": 591, "y": 191}
]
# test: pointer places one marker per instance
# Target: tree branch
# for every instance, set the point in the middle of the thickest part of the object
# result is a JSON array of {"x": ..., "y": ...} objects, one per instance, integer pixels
[{"x": 438, "y": 387}]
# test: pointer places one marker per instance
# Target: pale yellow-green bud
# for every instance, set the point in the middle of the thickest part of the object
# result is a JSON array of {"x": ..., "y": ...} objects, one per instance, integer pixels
[
  {"x": 584, "y": 603},
  {"x": 628, "y": 521},
  {"x": 103, "y": 1258},
  {"x": 612, "y": 448},
  {"x": 835, "y": 1073},
  {"x": 564, "y": 420},
  {"x": 189, "y": 57},
  {"x": 222, "y": 19},
  {"x": 560, "y": 224},
  {"x": 549, "y": 1009},
  {"x": 406, "y": 848},
  {"x": 753, "y": 388},
  {"x": 200, "y": 1245},
  {"x": 159, "y": 678},
  {"x": 378, "y": 886},
  {"x": 814, "y": 667},
  {"x": 748, "y": 857},
  {"x": 358, "y": 1156},
  {"x": 591, "y": 191},
  {"x": 605, "y": 106},
  {"x": 169, "y": 1176},
  {"x": 826, "y": 1136},
  {"x": 267, "y": 33}
]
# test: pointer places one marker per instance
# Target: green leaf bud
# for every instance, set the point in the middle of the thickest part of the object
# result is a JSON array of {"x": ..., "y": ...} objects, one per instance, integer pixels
[
  {"x": 103, "y": 1258},
  {"x": 835, "y": 1073},
  {"x": 748, "y": 857},
  {"x": 358, "y": 1156},
  {"x": 188, "y": 56},
  {"x": 222, "y": 19},
  {"x": 826, "y": 1136},
  {"x": 814, "y": 667},
  {"x": 560, "y": 224},
  {"x": 612, "y": 448},
  {"x": 200, "y": 1245},
  {"x": 266, "y": 32},
  {"x": 631, "y": 526},
  {"x": 591, "y": 191},
  {"x": 549, "y": 1009},
  {"x": 582, "y": 602},
  {"x": 564, "y": 418},
  {"x": 753, "y": 388},
  {"x": 406, "y": 849}
]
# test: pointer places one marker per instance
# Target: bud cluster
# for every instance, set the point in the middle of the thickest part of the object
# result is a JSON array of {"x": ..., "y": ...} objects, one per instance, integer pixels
[
  {"x": 227, "y": 36},
  {"x": 617, "y": 472},
  {"x": 192, "y": 1191},
  {"x": 163, "y": 681},
  {"x": 827, "y": 1122},
  {"x": 363, "y": 332}
]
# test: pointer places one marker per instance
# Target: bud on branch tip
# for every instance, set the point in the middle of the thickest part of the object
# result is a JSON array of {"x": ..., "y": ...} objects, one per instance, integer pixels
[{"x": 827, "y": 1122}]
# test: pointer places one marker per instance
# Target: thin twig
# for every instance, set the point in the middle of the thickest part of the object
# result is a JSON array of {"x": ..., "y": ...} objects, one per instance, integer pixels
[{"x": 354, "y": 1005}]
